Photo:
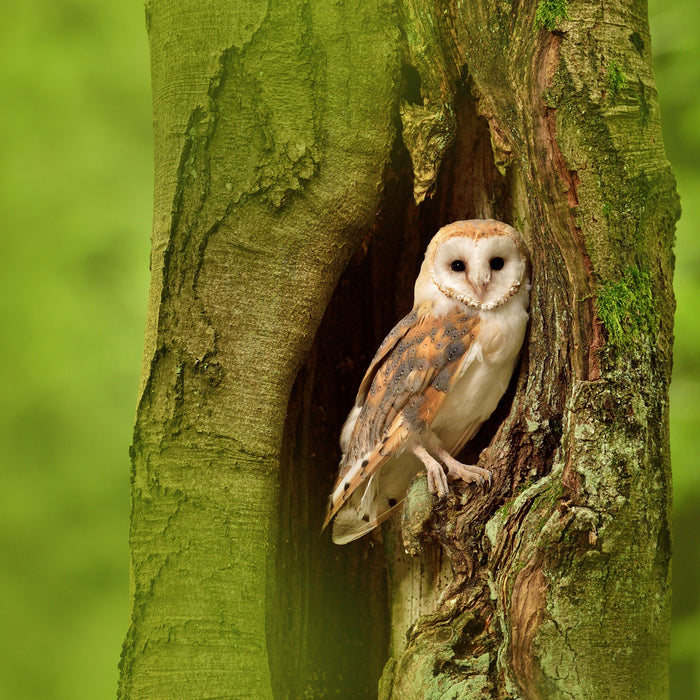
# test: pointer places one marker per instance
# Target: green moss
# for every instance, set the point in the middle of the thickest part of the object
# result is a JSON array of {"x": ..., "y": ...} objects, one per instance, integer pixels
[
  {"x": 636, "y": 203},
  {"x": 550, "y": 12},
  {"x": 615, "y": 79},
  {"x": 626, "y": 309}
]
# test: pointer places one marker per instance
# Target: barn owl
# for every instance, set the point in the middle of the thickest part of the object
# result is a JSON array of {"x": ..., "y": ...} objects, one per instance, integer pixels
[{"x": 437, "y": 376}]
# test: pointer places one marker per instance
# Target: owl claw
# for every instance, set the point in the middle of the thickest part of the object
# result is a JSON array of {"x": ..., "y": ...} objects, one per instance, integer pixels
[
  {"x": 436, "y": 483},
  {"x": 471, "y": 474},
  {"x": 437, "y": 475},
  {"x": 437, "y": 479},
  {"x": 466, "y": 472}
]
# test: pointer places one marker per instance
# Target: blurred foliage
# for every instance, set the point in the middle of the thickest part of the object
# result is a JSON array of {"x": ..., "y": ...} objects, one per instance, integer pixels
[
  {"x": 75, "y": 211},
  {"x": 675, "y": 28}
]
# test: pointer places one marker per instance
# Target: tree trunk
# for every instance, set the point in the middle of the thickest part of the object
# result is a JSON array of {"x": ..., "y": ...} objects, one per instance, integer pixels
[{"x": 294, "y": 138}]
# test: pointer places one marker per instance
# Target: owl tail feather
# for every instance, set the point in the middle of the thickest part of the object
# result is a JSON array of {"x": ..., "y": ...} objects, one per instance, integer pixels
[
  {"x": 369, "y": 507},
  {"x": 369, "y": 498},
  {"x": 350, "y": 525}
]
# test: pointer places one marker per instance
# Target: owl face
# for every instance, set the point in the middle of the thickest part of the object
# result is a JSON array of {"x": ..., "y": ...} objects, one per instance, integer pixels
[{"x": 481, "y": 264}]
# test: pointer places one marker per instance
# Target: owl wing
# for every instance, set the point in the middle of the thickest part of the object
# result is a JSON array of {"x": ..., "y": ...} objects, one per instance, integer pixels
[{"x": 402, "y": 391}]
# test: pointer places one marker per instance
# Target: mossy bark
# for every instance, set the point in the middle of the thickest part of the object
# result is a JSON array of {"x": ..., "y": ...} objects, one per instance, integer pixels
[
  {"x": 561, "y": 585},
  {"x": 273, "y": 126},
  {"x": 294, "y": 140}
]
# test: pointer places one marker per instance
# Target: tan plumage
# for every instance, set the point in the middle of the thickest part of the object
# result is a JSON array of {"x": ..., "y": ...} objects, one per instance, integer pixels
[{"x": 437, "y": 376}]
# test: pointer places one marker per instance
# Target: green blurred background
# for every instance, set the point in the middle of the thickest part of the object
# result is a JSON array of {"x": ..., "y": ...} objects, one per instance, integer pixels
[{"x": 75, "y": 212}]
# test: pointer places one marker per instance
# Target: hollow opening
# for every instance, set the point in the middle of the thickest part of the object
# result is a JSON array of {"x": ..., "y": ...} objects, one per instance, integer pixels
[
  {"x": 411, "y": 85},
  {"x": 331, "y": 636}
]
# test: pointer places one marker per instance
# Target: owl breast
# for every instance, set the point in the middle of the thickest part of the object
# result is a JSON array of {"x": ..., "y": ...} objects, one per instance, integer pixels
[{"x": 488, "y": 367}]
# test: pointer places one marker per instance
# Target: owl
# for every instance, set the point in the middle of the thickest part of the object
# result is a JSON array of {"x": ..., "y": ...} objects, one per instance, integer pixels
[{"x": 437, "y": 376}]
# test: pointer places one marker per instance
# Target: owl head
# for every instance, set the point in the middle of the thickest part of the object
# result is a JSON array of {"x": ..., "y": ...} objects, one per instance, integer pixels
[{"x": 478, "y": 263}]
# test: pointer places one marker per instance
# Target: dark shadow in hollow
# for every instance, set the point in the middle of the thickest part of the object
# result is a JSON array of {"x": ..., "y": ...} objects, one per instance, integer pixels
[{"x": 333, "y": 635}]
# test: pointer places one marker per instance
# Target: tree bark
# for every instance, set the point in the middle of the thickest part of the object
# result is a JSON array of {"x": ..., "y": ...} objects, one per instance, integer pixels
[
  {"x": 296, "y": 140},
  {"x": 273, "y": 123}
]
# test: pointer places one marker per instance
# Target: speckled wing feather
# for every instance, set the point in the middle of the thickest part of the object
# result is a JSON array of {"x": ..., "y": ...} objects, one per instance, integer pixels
[{"x": 401, "y": 393}]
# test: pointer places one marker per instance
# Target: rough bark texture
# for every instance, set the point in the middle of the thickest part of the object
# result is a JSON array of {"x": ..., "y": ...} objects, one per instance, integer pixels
[
  {"x": 273, "y": 125},
  {"x": 294, "y": 137},
  {"x": 567, "y": 595}
]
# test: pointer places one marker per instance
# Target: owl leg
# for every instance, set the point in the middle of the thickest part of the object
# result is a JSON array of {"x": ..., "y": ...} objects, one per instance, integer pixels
[
  {"x": 466, "y": 472},
  {"x": 437, "y": 479}
]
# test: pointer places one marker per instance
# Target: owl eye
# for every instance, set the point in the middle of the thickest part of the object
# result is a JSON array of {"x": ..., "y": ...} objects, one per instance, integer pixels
[
  {"x": 458, "y": 266},
  {"x": 497, "y": 263}
]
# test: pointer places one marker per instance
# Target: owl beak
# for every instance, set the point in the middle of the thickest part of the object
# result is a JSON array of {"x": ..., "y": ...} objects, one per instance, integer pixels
[{"x": 479, "y": 286}]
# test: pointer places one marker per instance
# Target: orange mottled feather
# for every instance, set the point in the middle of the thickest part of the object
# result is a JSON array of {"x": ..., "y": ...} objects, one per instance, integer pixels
[{"x": 402, "y": 391}]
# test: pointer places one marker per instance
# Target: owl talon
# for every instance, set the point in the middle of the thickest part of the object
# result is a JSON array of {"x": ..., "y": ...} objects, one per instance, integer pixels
[
  {"x": 466, "y": 472},
  {"x": 471, "y": 474},
  {"x": 437, "y": 479}
]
